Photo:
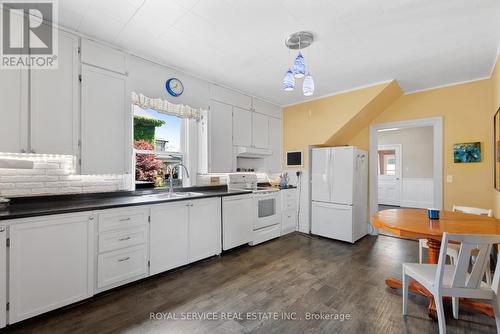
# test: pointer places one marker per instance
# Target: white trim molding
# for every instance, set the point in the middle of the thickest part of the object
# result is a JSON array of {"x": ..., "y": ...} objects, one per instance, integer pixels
[{"x": 437, "y": 125}]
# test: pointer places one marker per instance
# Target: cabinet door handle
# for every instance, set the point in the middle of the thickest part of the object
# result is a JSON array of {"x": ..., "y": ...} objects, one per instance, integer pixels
[
  {"x": 124, "y": 239},
  {"x": 91, "y": 218},
  {"x": 124, "y": 259},
  {"x": 124, "y": 219},
  {"x": 2, "y": 229}
]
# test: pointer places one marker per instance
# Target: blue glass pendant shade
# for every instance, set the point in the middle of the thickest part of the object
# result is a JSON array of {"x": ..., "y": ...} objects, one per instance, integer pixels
[
  {"x": 299, "y": 66},
  {"x": 288, "y": 81}
]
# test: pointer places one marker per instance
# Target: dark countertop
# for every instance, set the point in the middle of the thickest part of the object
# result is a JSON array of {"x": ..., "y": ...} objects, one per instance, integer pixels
[{"x": 47, "y": 205}]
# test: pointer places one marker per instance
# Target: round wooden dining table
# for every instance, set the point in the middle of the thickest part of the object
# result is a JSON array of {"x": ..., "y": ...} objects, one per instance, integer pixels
[{"x": 414, "y": 223}]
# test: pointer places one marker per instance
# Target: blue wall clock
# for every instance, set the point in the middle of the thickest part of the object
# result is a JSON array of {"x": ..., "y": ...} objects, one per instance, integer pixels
[{"x": 174, "y": 87}]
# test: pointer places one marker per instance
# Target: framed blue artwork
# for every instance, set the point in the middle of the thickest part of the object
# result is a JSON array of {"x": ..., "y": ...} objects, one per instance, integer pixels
[{"x": 467, "y": 152}]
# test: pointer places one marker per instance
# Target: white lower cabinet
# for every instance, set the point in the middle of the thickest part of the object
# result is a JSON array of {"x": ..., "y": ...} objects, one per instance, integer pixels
[
  {"x": 122, "y": 247},
  {"x": 50, "y": 264},
  {"x": 237, "y": 221},
  {"x": 289, "y": 210},
  {"x": 168, "y": 243},
  {"x": 184, "y": 232},
  {"x": 3, "y": 276},
  {"x": 121, "y": 265},
  {"x": 204, "y": 228}
]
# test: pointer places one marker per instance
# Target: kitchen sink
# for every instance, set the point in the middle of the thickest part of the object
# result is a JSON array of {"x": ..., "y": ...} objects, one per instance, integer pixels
[{"x": 167, "y": 195}]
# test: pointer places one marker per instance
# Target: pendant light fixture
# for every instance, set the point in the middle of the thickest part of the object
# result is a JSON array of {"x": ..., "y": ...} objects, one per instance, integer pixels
[
  {"x": 288, "y": 81},
  {"x": 308, "y": 85},
  {"x": 298, "y": 41},
  {"x": 299, "y": 66}
]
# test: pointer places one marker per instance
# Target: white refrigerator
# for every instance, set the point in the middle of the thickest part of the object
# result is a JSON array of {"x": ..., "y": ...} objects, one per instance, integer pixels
[{"x": 339, "y": 193}]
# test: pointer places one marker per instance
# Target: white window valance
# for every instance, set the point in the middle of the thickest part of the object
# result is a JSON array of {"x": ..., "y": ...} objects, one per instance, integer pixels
[{"x": 165, "y": 107}]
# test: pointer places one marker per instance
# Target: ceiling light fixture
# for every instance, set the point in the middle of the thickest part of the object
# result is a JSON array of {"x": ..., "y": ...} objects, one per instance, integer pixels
[
  {"x": 298, "y": 41},
  {"x": 289, "y": 81}
]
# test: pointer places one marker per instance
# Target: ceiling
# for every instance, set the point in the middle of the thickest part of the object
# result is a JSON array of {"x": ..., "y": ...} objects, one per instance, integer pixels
[{"x": 240, "y": 43}]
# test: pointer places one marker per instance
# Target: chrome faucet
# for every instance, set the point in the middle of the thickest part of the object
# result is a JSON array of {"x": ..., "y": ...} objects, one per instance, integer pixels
[{"x": 170, "y": 171}]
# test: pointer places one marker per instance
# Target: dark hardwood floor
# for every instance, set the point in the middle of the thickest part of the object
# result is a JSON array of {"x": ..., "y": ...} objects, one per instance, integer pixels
[{"x": 295, "y": 273}]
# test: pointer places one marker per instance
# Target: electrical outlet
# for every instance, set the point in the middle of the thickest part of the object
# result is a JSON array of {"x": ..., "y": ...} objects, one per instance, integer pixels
[{"x": 449, "y": 178}]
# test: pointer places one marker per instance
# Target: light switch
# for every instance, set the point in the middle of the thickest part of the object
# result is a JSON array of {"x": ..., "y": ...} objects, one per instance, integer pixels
[{"x": 449, "y": 178}]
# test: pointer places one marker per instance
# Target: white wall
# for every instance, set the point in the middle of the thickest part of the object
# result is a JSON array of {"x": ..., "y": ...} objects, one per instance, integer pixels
[
  {"x": 149, "y": 79},
  {"x": 304, "y": 202},
  {"x": 417, "y": 149},
  {"x": 417, "y": 184},
  {"x": 52, "y": 175}
]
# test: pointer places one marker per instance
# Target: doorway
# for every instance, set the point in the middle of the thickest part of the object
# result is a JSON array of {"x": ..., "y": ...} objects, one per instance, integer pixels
[
  {"x": 389, "y": 174},
  {"x": 390, "y": 166}
]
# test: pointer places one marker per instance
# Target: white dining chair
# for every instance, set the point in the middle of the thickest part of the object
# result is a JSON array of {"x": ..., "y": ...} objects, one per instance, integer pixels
[
  {"x": 455, "y": 281},
  {"x": 452, "y": 250}
]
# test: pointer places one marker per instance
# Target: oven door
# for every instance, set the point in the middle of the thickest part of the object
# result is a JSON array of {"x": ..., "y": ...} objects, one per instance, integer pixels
[{"x": 267, "y": 210}]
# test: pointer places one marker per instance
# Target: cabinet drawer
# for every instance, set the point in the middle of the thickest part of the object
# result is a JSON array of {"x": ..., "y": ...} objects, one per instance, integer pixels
[
  {"x": 122, "y": 265},
  {"x": 289, "y": 221},
  {"x": 118, "y": 219},
  {"x": 113, "y": 240},
  {"x": 289, "y": 199}
]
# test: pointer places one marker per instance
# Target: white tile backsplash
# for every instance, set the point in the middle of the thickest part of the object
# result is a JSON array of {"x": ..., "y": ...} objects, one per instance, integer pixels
[{"x": 51, "y": 175}]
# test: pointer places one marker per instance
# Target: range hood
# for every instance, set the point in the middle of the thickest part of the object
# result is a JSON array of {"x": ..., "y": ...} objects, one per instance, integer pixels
[{"x": 252, "y": 152}]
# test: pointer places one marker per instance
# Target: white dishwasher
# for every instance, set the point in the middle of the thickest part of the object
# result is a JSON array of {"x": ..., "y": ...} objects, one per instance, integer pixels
[{"x": 237, "y": 220}]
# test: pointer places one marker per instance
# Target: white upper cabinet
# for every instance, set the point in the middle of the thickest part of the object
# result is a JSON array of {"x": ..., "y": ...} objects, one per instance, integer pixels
[
  {"x": 54, "y": 102},
  {"x": 266, "y": 108},
  {"x": 51, "y": 263},
  {"x": 220, "y": 121},
  {"x": 260, "y": 130},
  {"x": 242, "y": 127},
  {"x": 14, "y": 111},
  {"x": 231, "y": 97},
  {"x": 105, "y": 146},
  {"x": 275, "y": 144},
  {"x": 102, "y": 56}
]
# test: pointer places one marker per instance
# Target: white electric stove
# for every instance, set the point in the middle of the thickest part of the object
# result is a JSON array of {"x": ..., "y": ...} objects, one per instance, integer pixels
[{"x": 267, "y": 208}]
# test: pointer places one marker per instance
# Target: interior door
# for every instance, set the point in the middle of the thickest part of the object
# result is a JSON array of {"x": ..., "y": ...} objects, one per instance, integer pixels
[
  {"x": 389, "y": 174},
  {"x": 320, "y": 175}
]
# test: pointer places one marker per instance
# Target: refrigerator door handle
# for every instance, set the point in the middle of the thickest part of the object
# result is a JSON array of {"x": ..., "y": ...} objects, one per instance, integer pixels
[{"x": 330, "y": 173}]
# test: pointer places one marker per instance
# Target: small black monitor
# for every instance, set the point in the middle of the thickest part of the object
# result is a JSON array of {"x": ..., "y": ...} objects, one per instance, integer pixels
[{"x": 294, "y": 158}]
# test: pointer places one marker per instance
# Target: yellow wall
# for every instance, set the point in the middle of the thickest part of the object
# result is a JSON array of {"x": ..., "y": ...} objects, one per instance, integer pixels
[
  {"x": 496, "y": 105},
  {"x": 315, "y": 122},
  {"x": 466, "y": 112},
  {"x": 467, "y": 117}
]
